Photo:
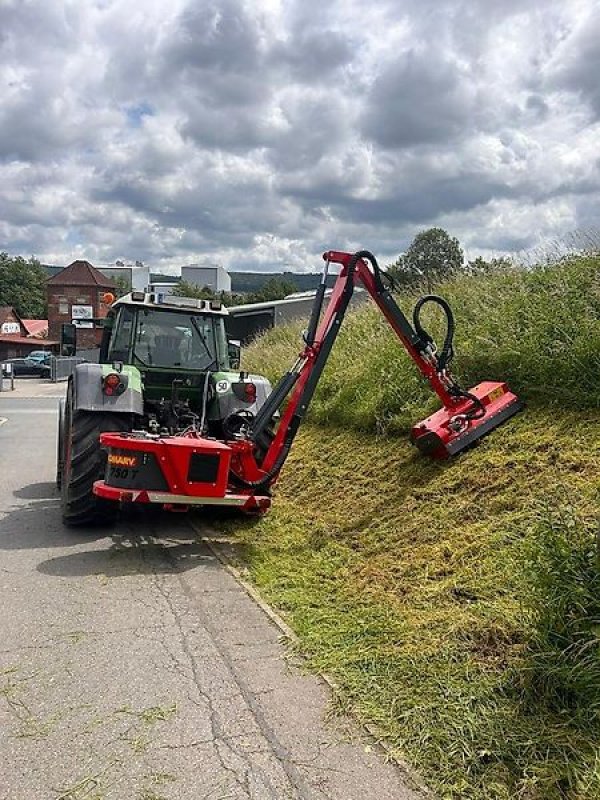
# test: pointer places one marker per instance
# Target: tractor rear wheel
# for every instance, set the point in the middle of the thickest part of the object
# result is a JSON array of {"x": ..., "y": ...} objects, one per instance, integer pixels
[
  {"x": 83, "y": 463},
  {"x": 59, "y": 444}
]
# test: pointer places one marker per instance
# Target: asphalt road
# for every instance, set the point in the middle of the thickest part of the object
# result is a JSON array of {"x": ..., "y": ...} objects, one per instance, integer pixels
[{"x": 134, "y": 667}]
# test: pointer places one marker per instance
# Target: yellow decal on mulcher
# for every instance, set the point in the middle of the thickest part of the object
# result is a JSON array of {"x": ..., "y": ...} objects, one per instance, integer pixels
[
  {"x": 122, "y": 461},
  {"x": 495, "y": 394}
]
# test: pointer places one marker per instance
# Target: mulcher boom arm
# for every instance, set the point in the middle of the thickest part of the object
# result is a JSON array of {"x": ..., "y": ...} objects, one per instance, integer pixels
[{"x": 450, "y": 430}]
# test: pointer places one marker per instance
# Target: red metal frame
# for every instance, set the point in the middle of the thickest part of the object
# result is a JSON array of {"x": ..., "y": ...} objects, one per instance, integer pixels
[
  {"x": 442, "y": 423},
  {"x": 173, "y": 454},
  {"x": 362, "y": 274}
]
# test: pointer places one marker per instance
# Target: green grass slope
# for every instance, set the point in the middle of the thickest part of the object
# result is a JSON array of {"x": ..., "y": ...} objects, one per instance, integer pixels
[{"x": 457, "y": 604}]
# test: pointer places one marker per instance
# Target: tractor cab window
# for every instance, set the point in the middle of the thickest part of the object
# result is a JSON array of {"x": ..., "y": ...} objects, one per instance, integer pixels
[
  {"x": 174, "y": 339},
  {"x": 120, "y": 340}
]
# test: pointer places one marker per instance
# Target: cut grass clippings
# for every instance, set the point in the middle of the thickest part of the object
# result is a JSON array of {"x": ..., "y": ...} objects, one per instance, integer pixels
[{"x": 403, "y": 579}]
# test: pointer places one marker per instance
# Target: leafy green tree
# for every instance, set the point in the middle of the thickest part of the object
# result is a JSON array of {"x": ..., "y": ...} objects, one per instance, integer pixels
[
  {"x": 185, "y": 289},
  {"x": 404, "y": 278},
  {"x": 122, "y": 285},
  {"x": 23, "y": 286},
  {"x": 433, "y": 256},
  {"x": 275, "y": 288}
]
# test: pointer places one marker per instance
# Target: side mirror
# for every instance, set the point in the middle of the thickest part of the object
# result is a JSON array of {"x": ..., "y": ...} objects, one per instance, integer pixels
[
  {"x": 68, "y": 339},
  {"x": 234, "y": 349}
]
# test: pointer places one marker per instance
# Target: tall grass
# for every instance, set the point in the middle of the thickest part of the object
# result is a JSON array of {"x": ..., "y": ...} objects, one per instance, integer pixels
[
  {"x": 562, "y": 668},
  {"x": 538, "y": 329}
]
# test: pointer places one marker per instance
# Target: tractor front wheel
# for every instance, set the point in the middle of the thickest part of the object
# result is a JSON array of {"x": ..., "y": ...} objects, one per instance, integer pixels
[{"x": 83, "y": 462}]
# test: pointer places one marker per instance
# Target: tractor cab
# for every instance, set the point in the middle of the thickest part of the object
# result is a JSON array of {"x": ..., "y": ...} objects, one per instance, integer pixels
[
  {"x": 170, "y": 339},
  {"x": 173, "y": 333}
]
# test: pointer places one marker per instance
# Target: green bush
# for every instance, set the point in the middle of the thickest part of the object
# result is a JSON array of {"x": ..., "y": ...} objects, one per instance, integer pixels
[{"x": 538, "y": 329}]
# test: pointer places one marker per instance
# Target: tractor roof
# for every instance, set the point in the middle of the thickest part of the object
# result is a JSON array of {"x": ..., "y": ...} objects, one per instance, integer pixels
[{"x": 170, "y": 302}]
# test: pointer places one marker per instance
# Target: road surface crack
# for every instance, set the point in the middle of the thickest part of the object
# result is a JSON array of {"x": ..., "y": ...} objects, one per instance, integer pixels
[{"x": 246, "y": 773}]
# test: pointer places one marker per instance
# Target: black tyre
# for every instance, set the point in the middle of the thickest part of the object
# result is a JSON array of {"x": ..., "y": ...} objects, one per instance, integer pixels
[
  {"x": 83, "y": 463},
  {"x": 59, "y": 444}
]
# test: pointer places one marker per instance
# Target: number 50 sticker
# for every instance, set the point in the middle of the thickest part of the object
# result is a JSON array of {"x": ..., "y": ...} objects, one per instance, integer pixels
[{"x": 222, "y": 387}]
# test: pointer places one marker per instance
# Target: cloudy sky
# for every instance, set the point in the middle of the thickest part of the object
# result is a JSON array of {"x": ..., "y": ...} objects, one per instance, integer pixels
[{"x": 260, "y": 133}]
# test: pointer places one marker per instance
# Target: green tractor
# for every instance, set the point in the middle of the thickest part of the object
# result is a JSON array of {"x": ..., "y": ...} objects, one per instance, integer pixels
[{"x": 165, "y": 368}]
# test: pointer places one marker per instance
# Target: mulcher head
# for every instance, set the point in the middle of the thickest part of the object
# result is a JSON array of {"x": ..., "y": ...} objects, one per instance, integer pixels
[{"x": 451, "y": 430}]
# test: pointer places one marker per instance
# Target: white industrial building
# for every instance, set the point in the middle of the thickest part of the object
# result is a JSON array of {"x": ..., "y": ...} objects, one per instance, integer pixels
[
  {"x": 213, "y": 276},
  {"x": 136, "y": 276}
]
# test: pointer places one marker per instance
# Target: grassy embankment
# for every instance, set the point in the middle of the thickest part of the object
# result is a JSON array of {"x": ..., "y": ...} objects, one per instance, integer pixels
[{"x": 456, "y": 604}]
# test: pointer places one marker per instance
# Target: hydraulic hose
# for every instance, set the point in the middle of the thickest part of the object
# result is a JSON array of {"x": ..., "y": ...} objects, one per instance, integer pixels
[
  {"x": 478, "y": 411},
  {"x": 447, "y": 352},
  {"x": 263, "y": 483}
]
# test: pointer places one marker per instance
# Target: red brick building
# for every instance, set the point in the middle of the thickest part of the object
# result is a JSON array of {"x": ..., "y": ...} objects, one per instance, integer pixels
[
  {"x": 75, "y": 294},
  {"x": 18, "y": 336}
]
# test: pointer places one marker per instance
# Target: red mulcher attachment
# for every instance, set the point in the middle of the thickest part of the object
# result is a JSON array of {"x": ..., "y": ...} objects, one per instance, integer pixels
[
  {"x": 466, "y": 416},
  {"x": 450, "y": 430}
]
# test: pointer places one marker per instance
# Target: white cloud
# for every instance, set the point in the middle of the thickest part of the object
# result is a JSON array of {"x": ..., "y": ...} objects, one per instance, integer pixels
[{"x": 262, "y": 133}]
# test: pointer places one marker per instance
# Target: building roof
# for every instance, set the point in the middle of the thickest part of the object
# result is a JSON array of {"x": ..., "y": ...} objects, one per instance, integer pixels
[
  {"x": 7, "y": 312},
  {"x": 40, "y": 343},
  {"x": 81, "y": 273},
  {"x": 36, "y": 327}
]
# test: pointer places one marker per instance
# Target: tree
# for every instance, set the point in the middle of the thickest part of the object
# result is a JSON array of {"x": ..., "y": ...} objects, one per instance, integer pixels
[
  {"x": 122, "y": 285},
  {"x": 433, "y": 255},
  {"x": 274, "y": 288},
  {"x": 185, "y": 289},
  {"x": 23, "y": 286},
  {"x": 404, "y": 278}
]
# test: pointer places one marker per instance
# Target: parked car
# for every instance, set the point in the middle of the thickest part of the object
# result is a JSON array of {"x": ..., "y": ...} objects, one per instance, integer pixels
[
  {"x": 26, "y": 366},
  {"x": 40, "y": 355}
]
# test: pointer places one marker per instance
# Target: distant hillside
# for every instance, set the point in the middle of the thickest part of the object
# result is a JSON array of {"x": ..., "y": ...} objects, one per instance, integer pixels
[
  {"x": 160, "y": 277},
  {"x": 245, "y": 282},
  {"x": 241, "y": 282},
  {"x": 51, "y": 270},
  {"x": 254, "y": 281}
]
